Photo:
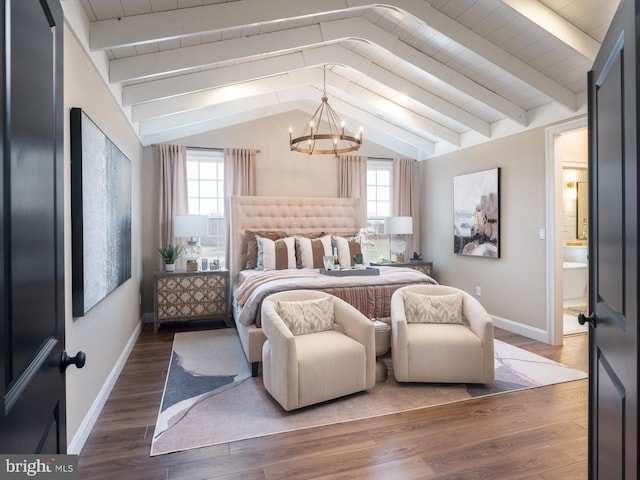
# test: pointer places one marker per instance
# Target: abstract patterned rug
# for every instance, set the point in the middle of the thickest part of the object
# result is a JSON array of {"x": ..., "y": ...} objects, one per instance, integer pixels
[{"x": 211, "y": 398}]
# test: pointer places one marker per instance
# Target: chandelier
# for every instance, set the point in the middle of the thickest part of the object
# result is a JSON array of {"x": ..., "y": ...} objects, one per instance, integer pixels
[{"x": 336, "y": 140}]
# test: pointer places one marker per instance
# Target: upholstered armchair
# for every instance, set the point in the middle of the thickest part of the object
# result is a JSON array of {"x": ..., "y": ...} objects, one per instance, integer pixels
[
  {"x": 323, "y": 359},
  {"x": 429, "y": 345}
]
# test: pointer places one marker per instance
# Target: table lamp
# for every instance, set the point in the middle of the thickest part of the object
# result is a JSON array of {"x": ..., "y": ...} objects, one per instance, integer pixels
[
  {"x": 397, "y": 226},
  {"x": 192, "y": 227}
]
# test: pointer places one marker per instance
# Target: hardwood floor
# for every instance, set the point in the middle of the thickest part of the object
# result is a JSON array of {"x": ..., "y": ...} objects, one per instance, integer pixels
[{"x": 535, "y": 434}]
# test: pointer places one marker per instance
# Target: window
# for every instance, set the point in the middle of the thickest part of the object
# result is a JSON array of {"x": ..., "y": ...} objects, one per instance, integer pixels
[
  {"x": 205, "y": 186},
  {"x": 378, "y": 192},
  {"x": 379, "y": 196}
]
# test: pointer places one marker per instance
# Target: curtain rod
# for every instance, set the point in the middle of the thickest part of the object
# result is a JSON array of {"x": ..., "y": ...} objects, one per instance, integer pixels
[{"x": 203, "y": 148}]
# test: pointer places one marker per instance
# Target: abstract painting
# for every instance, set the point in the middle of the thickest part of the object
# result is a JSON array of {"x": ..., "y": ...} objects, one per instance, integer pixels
[
  {"x": 100, "y": 214},
  {"x": 476, "y": 214}
]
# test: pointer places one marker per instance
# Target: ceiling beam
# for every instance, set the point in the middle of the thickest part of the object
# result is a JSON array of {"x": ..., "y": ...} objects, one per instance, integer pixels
[
  {"x": 470, "y": 40},
  {"x": 286, "y": 41},
  {"x": 158, "y": 26},
  {"x": 166, "y": 25},
  {"x": 557, "y": 26},
  {"x": 291, "y": 99},
  {"x": 355, "y": 95},
  {"x": 332, "y": 54}
]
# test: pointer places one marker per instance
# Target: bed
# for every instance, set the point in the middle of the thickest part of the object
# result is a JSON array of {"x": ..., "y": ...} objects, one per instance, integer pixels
[{"x": 303, "y": 216}]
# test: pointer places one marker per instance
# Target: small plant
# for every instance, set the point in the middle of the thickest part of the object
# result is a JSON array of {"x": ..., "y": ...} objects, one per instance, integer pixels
[
  {"x": 358, "y": 259},
  {"x": 170, "y": 253}
]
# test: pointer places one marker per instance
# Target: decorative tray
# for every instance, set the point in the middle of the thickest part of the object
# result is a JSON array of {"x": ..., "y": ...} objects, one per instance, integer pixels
[{"x": 351, "y": 272}]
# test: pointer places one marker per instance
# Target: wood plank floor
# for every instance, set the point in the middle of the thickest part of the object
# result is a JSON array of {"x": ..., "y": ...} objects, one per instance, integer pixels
[{"x": 535, "y": 434}]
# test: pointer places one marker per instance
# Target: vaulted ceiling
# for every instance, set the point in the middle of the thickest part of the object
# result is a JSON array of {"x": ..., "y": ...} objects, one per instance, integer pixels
[{"x": 423, "y": 77}]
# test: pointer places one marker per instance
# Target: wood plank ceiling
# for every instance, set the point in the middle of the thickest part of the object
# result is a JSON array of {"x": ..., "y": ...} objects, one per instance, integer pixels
[{"x": 423, "y": 77}]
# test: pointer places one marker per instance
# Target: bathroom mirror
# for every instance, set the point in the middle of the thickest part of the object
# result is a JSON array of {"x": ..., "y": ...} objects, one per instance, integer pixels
[{"x": 582, "y": 209}]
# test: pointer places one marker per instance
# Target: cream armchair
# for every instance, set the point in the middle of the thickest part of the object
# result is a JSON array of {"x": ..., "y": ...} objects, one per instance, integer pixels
[
  {"x": 300, "y": 370},
  {"x": 441, "y": 352}
]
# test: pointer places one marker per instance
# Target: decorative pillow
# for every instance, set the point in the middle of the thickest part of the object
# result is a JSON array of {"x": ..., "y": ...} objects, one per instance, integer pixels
[
  {"x": 420, "y": 308},
  {"x": 276, "y": 255},
  {"x": 307, "y": 316},
  {"x": 347, "y": 248},
  {"x": 252, "y": 244},
  {"x": 309, "y": 251}
]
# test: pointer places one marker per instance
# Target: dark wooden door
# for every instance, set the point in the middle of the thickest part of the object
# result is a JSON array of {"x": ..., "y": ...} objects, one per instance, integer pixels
[
  {"x": 32, "y": 408},
  {"x": 613, "y": 389}
]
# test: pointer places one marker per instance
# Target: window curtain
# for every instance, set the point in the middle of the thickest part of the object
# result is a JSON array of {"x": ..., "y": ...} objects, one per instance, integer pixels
[
  {"x": 404, "y": 198},
  {"x": 173, "y": 191},
  {"x": 239, "y": 171},
  {"x": 352, "y": 181},
  {"x": 239, "y": 179}
]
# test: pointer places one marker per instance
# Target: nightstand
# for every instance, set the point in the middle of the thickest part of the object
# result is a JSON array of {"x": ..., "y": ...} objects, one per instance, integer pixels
[
  {"x": 183, "y": 296},
  {"x": 424, "y": 267}
]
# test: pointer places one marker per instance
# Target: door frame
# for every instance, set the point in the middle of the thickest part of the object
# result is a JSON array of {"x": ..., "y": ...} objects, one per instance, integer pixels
[{"x": 555, "y": 227}]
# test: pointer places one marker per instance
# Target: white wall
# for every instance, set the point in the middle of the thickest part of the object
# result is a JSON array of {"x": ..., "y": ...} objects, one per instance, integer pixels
[
  {"x": 104, "y": 332},
  {"x": 513, "y": 287}
]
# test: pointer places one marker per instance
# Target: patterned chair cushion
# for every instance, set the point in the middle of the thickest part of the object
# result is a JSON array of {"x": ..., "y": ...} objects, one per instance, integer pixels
[
  {"x": 420, "y": 308},
  {"x": 307, "y": 316}
]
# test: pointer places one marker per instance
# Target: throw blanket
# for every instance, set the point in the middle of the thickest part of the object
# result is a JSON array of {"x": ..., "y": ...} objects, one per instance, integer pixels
[{"x": 254, "y": 289}]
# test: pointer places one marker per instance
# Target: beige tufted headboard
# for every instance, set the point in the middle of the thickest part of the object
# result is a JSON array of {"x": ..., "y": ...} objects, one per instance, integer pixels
[{"x": 290, "y": 214}]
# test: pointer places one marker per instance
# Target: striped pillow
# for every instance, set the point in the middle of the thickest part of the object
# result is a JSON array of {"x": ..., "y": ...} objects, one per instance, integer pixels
[
  {"x": 252, "y": 244},
  {"x": 309, "y": 251},
  {"x": 276, "y": 254},
  {"x": 347, "y": 248}
]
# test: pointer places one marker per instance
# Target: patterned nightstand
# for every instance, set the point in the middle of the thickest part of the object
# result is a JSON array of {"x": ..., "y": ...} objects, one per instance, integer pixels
[
  {"x": 424, "y": 267},
  {"x": 182, "y": 296}
]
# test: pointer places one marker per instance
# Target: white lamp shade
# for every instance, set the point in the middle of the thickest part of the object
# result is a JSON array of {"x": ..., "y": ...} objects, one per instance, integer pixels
[
  {"x": 190, "y": 226},
  {"x": 398, "y": 225}
]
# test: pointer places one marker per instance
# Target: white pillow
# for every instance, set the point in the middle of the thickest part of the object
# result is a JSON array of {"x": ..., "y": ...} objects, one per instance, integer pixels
[
  {"x": 310, "y": 251},
  {"x": 276, "y": 254},
  {"x": 307, "y": 316},
  {"x": 420, "y": 308}
]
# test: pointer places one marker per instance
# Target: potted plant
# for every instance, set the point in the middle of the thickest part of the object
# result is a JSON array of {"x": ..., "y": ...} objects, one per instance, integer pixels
[
  {"x": 358, "y": 260},
  {"x": 170, "y": 253}
]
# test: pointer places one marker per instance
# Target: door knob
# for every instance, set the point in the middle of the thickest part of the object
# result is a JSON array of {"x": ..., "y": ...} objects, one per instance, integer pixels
[
  {"x": 582, "y": 319},
  {"x": 65, "y": 360}
]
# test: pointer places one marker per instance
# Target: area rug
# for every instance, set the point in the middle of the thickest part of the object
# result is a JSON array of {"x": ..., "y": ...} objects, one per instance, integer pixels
[{"x": 211, "y": 398}]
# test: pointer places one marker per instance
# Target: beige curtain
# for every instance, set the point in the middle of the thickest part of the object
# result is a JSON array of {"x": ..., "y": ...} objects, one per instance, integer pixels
[
  {"x": 239, "y": 171},
  {"x": 239, "y": 179},
  {"x": 352, "y": 181},
  {"x": 173, "y": 191},
  {"x": 404, "y": 199}
]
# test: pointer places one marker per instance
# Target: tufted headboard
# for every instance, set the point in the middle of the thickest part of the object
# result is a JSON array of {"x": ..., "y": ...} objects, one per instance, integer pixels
[{"x": 289, "y": 214}]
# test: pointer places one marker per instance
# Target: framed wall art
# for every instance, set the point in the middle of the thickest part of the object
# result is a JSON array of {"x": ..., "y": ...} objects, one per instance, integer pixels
[
  {"x": 476, "y": 214},
  {"x": 100, "y": 214}
]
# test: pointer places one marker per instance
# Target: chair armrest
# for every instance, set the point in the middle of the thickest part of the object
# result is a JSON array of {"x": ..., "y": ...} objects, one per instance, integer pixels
[
  {"x": 479, "y": 320},
  {"x": 283, "y": 353},
  {"x": 399, "y": 334},
  {"x": 357, "y": 326}
]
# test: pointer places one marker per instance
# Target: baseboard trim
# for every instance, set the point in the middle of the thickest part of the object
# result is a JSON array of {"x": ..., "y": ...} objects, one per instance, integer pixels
[
  {"x": 524, "y": 330},
  {"x": 79, "y": 439}
]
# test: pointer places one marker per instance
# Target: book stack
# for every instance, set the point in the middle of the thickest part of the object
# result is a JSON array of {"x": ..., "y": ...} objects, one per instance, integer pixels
[{"x": 379, "y": 325}]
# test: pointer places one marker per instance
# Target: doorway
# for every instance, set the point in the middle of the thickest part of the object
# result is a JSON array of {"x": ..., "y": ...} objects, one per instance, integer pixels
[{"x": 567, "y": 227}]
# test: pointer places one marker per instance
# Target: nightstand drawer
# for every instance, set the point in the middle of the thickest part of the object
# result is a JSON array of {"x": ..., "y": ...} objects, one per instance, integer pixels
[{"x": 183, "y": 296}]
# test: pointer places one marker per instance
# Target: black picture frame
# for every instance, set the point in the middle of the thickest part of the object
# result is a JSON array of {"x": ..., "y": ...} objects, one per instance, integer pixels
[
  {"x": 476, "y": 213},
  {"x": 100, "y": 214}
]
